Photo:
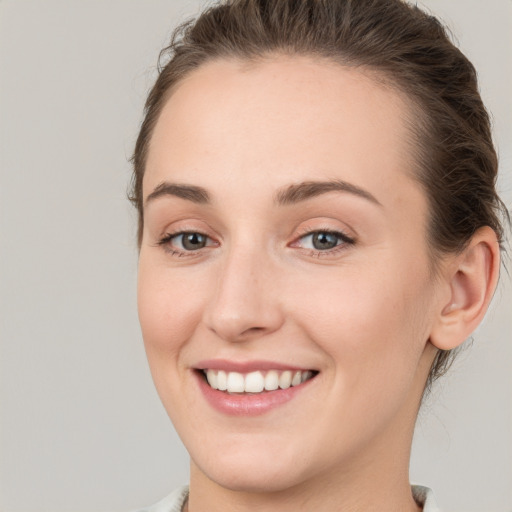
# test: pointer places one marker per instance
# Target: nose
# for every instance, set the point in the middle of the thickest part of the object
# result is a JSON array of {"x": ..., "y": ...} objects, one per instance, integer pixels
[{"x": 245, "y": 301}]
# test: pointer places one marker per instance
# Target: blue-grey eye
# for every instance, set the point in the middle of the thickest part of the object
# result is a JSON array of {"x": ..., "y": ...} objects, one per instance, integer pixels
[
  {"x": 192, "y": 241},
  {"x": 323, "y": 240}
]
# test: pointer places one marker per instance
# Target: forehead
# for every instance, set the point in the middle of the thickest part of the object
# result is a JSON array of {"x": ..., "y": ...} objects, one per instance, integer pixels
[{"x": 281, "y": 119}]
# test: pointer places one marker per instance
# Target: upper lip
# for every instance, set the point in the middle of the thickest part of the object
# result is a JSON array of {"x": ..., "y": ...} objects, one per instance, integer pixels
[{"x": 246, "y": 366}]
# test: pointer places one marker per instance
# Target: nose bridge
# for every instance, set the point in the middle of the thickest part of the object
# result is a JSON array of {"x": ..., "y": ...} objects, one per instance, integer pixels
[{"x": 243, "y": 304}]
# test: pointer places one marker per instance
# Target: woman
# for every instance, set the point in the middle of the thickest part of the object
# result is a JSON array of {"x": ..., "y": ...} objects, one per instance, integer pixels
[{"x": 319, "y": 231}]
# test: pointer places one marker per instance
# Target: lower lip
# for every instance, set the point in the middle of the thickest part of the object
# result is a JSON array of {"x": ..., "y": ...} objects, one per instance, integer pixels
[{"x": 247, "y": 404}]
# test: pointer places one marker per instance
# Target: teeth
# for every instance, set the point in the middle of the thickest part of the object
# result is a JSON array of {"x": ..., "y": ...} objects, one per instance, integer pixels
[
  {"x": 255, "y": 382},
  {"x": 296, "y": 379},
  {"x": 222, "y": 380},
  {"x": 285, "y": 380},
  {"x": 271, "y": 380},
  {"x": 236, "y": 382},
  {"x": 211, "y": 377},
  {"x": 305, "y": 376}
]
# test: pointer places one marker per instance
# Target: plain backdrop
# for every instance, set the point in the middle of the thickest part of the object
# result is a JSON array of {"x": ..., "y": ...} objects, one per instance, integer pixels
[{"x": 82, "y": 428}]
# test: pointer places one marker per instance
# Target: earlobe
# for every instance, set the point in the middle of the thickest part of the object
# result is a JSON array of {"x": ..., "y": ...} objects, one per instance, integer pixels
[{"x": 471, "y": 282}]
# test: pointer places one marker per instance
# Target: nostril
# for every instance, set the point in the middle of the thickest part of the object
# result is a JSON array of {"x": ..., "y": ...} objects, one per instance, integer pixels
[{"x": 254, "y": 329}]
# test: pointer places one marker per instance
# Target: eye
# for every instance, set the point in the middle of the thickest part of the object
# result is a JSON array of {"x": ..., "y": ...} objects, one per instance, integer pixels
[
  {"x": 324, "y": 240},
  {"x": 191, "y": 241},
  {"x": 185, "y": 241}
]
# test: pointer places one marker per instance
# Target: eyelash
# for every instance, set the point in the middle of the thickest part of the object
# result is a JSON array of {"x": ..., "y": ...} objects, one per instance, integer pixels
[{"x": 344, "y": 241}]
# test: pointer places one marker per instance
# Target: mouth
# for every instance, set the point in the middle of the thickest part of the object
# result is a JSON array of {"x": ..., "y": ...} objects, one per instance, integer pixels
[{"x": 255, "y": 382}]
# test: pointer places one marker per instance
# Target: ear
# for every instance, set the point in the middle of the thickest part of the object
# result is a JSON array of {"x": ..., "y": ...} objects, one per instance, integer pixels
[{"x": 470, "y": 279}]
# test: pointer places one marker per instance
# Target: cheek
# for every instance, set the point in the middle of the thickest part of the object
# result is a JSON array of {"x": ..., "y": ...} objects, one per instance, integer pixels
[
  {"x": 368, "y": 323},
  {"x": 373, "y": 335},
  {"x": 169, "y": 310}
]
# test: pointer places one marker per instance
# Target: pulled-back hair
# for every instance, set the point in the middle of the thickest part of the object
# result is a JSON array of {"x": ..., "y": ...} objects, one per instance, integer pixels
[{"x": 404, "y": 47}]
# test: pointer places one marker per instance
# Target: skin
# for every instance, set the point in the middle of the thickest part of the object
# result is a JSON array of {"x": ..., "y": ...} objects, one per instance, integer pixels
[{"x": 361, "y": 314}]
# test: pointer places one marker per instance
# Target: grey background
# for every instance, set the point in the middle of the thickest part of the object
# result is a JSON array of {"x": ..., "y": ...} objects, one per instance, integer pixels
[{"x": 81, "y": 427}]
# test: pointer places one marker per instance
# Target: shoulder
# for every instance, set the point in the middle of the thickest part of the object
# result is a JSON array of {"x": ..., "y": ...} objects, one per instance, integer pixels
[
  {"x": 172, "y": 503},
  {"x": 425, "y": 497}
]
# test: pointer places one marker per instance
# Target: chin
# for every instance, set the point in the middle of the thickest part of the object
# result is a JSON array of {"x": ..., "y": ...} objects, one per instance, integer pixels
[
  {"x": 251, "y": 479},
  {"x": 247, "y": 471}
]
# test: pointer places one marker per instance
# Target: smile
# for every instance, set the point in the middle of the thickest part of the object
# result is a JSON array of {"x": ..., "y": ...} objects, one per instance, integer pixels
[
  {"x": 251, "y": 388},
  {"x": 256, "y": 381}
]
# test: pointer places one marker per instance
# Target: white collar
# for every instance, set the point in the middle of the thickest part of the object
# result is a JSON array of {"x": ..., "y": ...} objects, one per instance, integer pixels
[{"x": 175, "y": 501}]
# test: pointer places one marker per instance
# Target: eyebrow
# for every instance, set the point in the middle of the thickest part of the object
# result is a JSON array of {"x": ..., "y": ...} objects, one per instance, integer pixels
[
  {"x": 190, "y": 192},
  {"x": 292, "y": 194},
  {"x": 298, "y": 192}
]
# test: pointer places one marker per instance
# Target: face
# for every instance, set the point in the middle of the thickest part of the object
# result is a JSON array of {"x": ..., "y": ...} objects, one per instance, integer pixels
[{"x": 284, "y": 254}]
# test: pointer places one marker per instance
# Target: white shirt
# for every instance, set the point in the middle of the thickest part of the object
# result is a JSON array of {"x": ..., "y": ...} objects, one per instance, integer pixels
[{"x": 175, "y": 501}]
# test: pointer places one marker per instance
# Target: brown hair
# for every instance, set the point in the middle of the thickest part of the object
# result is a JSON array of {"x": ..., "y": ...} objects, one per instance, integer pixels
[{"x": 407, "y": 48}]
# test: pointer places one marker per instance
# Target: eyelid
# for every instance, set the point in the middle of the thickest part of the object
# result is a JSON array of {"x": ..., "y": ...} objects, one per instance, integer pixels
[{"x": 310, "y": 230}]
